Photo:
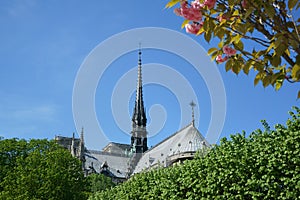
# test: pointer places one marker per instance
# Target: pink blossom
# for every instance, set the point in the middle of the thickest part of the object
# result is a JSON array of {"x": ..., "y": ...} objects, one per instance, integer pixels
[
  {"x": 192, "y": 13},
  {"x": 196, "y": 4},
  {"x": 221, "y": 17},
  {"x": 184, "y": 4},
  {"x": 229, "y": 51},
  {"x": 209, "y": 3},
  {"x": 193, "y": 28},
  {"x": 183, "y": 7},
  {"x": 244, "y": 3},
  {"x": 177, "y": 11},
  {"x": 219, "y": 59}
]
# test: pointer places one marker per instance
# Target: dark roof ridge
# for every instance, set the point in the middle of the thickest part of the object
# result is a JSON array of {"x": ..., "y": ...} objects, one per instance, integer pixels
[{"x": 105, "y": 153}]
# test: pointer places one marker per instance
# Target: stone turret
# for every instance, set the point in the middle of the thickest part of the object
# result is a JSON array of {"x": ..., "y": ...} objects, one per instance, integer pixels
[{"x": 81, "y": 149}]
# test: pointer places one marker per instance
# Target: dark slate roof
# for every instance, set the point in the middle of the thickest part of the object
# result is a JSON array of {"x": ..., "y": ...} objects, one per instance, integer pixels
[
  {"x": 117, "y": 148},
  {"x": 117, "y": 164}
]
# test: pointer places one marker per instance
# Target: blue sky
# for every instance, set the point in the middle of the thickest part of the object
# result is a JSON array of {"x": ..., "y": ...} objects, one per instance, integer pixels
[{"x": 44, "y": 43}]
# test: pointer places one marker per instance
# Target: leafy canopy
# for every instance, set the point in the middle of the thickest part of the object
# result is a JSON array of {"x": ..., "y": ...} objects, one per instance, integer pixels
[
  {"x": 39, "y": 169},
  {"x": 262, "y": 35}
]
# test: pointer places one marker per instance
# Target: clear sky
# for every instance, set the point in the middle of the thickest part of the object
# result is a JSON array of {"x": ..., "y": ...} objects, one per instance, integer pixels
[{"x": 44, "y": 43}]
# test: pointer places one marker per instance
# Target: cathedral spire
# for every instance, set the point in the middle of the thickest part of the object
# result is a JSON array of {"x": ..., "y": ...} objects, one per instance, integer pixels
[
  {"x": 139, "y": 120},
  {"x": 139, "y": 115}
]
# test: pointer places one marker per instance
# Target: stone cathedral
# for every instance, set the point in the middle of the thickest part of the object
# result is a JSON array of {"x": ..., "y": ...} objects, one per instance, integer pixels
[{"x": 120, "y": 161}]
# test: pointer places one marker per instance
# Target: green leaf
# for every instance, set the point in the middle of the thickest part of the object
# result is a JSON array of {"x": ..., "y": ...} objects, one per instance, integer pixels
[
  {"x": 266, "y": 80},
  {"x": 236, "y": 38},
  {"x": 249, "y": 12},
  {"x": 214, "y": 55},
  {"x": 236, "y": 67},
  {"x": 239, "y": 45},
  {"x": 220, "y": 32},
  {"x": 280, "y": 49},
  {"x": 221, "y": 44},
  {"x": 236, "y": 13},
  {"x": 276, "y": 60},
  {"x": 247, "y": 67},
  {"x": 292, "y": 4},
  {"x": 296, "y": 72},
  {"x": 243, "y": 28},
  {"x": 207, "y": 36},
  {"x": 211, "y": 50},
  {"x": 278, "y": 85},
  {"x": 272, "y": 45},
  {"x": 269, "y": 10},
  {"x": 231, "y": 3},
  {"x": 184, "y": 23},
  {"x": 287, "y": 51},
  {"x": 212, "y": 24},
  {"x": 200, "y": 31},
  {"x": 206, "y": 25},
  {"x": 278, "y": 41},
  {"x": 258, "y": 77},
  {"x": 298, "y": 95},
  {"x": 172, "y": 3},
  {"x": 276, "y": 77},
  {"x": 228, "y": 65}
]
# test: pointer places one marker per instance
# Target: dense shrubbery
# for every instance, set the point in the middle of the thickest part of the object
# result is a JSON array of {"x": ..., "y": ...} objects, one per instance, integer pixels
[
  {"x": 265, "y": 165},
  {"x": 98, "y": 182}
]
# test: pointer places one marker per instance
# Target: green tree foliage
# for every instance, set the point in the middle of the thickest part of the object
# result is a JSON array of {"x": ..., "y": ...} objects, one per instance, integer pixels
[
  {"x": 39, "y": 169},
  {"x": 98, "y": 182},
  {"x": 264, "y": 165},
  {"x": 262, "y": 35},
  {"x": 9, "y": 151}
]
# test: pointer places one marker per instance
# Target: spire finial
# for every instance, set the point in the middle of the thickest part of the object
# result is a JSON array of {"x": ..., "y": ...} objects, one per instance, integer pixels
[
  {"x": 192, "y": 104},
  {"x": 139, "y": 83},
  {"x": 140, "y": 54}
]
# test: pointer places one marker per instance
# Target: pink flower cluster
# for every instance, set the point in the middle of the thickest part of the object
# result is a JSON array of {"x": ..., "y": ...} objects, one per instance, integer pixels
[
  {"x": 244, "y": 3},
  {"x": 193, "y": 28},
  {"x": 228, "y": 51},
  {"x": 222, "y": 17},
  {"x": 219, "y": 58},
  {"x": 193, "y": 13},
  {"x": 209, "y": 3}
]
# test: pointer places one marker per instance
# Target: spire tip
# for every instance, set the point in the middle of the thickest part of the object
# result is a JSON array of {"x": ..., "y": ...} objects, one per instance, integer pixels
[{"x": 192, "y": 104}]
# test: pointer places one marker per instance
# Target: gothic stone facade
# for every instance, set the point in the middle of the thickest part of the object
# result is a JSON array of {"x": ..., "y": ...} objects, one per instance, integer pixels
[{"x": 120, "y": 161}]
